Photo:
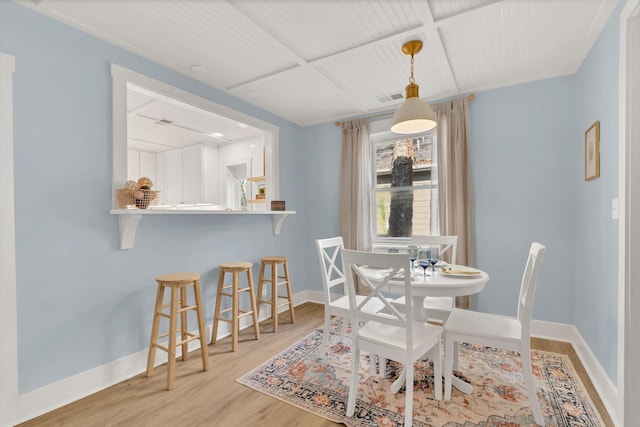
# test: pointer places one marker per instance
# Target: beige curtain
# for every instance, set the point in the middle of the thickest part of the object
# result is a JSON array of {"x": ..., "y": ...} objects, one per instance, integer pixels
[
  {"x": 454, "y": 179},
  {"x": 355, "y": 186}
]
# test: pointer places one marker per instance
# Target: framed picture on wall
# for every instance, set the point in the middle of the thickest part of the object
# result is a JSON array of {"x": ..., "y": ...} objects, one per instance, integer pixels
[{"x": 592, "y": 152}]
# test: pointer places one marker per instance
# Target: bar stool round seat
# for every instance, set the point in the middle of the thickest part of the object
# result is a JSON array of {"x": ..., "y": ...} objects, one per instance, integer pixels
[
  {"x": 233, "y": 291},
  {"x": 276, "y": 279},
  {"x": 178, "y": 304}
]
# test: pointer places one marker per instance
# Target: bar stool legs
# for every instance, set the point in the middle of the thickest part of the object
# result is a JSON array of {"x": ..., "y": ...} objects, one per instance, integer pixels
[
  {"x": 178, "y": 304},
  {"x": 235, "y": 269},
  {"x": 274, "y": 281}
]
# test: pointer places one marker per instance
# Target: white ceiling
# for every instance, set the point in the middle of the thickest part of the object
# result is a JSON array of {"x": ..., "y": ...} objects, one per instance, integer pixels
[
  {"x": 314, "y": 61},
  {"x": 158, "y": 123}
]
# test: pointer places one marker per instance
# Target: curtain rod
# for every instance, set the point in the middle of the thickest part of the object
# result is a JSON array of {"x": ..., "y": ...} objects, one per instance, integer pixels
[{"x": 375, "y": 116}]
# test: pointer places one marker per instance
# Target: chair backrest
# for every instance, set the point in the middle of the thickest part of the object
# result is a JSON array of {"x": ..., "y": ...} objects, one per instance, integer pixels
[
  {"x": 397, "y": 266},
  {"x": 528, "y": 286},
  {"x": 447, "y": 245},
  {"x": 329, "y": 252}
]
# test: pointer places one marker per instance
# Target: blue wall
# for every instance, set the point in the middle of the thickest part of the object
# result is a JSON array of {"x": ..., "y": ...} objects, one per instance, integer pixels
[
  {"x": 523, "y": 181},
  {"x": 82, "y": 302},
  {"x": 86, "y": 303},
  {"x": 596, "y": 240}
]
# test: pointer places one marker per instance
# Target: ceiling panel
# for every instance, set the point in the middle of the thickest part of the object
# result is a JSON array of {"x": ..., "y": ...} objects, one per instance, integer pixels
[
  {"x": 178, "y": 34},
  {"x": 370, "y": 74},
  {"x": 525, "y": 41},
  {"x": 302, "y": 95},
  {"x": 315, "y": 61},
  {"x": 316, "y": 29}
]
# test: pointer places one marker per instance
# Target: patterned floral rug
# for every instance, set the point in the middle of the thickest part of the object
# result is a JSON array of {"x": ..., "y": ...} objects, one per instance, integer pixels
[{"x": 297, "y": 376}]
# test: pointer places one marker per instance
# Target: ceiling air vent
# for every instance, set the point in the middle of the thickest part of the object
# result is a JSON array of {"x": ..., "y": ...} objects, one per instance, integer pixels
[
  {"x": 163, "y": 122},
  {"x": 390, "y": 97}
]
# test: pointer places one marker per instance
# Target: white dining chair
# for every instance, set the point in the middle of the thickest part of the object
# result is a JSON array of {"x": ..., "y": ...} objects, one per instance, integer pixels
[
  {"x": 437, "y": 308},
  {"x": 391, "y": 333},
  {"x": 333, "y": 278},
  {"x": 493, "y": 330}
]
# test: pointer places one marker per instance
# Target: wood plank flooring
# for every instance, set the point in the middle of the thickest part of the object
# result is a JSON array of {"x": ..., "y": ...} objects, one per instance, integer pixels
[{"x": 213, "y": 398}]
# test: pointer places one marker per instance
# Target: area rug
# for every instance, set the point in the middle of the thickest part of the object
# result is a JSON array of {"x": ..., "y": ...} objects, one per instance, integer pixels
[{"x": 320, "y": 385}]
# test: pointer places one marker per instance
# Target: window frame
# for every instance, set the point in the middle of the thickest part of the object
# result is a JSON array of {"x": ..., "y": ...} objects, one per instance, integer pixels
[{"x": 379, "y": 135}]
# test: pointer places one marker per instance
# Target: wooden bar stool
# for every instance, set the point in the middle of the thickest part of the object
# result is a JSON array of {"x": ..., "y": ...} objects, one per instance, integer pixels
[
  {"x": 274, "y": 262},
  {"x": 234, "y": 268},
  {"x": 178, "y": 304}
]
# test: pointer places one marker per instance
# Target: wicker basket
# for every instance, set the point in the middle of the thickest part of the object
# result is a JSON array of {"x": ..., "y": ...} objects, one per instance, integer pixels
[{"x": 140, "y": 199}]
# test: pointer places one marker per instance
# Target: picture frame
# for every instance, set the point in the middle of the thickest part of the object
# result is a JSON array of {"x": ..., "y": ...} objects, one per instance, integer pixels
[{"x": 592, "y": 152}]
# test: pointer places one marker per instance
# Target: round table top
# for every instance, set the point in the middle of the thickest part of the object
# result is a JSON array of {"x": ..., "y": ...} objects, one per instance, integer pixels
[{"x": 438, "y": 285}]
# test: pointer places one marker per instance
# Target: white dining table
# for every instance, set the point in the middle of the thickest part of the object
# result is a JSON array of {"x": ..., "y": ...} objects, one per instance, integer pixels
[{"x": 434, "y": 284}]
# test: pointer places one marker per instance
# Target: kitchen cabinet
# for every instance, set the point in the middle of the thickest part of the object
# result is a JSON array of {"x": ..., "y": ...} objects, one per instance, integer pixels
[
  {"x": 141, "y": 163},
  {"x": 188, "y": 176}
]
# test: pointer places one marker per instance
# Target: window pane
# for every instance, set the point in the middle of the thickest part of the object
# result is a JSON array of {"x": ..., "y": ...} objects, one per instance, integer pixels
[
  {"x": 421, "y": 212},
  {"x": 403, "y": 187}
]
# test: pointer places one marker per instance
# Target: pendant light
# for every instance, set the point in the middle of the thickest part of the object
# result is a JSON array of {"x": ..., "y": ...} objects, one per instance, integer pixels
[{"x": 414, "y": 115}]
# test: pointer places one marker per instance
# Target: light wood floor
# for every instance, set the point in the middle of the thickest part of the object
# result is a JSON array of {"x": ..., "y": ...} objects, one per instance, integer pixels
[{"x": 213, "y": 398}]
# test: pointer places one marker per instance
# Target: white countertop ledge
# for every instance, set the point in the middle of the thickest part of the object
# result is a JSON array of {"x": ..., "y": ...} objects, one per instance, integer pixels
[{"x": 129, "y": 218}]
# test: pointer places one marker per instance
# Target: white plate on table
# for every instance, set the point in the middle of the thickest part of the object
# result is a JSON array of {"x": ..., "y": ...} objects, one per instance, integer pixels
[{"x": 460, "y": 272}]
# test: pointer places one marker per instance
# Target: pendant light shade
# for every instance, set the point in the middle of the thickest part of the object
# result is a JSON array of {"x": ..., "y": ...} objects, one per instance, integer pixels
[{"x": 413, "y": 115}]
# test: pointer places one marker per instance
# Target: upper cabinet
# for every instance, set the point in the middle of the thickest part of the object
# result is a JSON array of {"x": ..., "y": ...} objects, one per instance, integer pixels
[{"x": 190, "y": 175}]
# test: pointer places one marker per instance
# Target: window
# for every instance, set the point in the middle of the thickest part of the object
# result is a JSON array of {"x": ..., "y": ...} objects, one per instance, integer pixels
[{"x": 405, "y": 186}]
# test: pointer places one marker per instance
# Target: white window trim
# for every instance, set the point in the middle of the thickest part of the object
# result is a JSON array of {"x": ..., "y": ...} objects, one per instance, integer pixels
[{"x": 9, "y": 386}]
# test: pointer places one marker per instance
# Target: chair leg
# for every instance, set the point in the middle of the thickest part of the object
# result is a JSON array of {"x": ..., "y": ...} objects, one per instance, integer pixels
[
  {"x": 289, "y": 293},
  {"x": 343, "y": 330},
  {"x": 456, "y": 346},
  {"x": 408, "y": 398},
  {"x": 235, "y": 311},
  {"x": 254, "y": 308},
  {"x": 173, "y": 330},
  {"x": 151, "y": 357},
  {"x": 436, "y": 357},
  {"x": 204, "y": 353},
  {"x": 216, "y": 311},
  {"x": 525, "y": 356},
  {"x": 184, "y": 330},
  {"x": 325, "y": 333},
  {"x": 353, "y": 385},
  {"x": 260, "y": 284},
  {"x": 448, "y": 365},
  {"x": 383, "y": 366},
  {"x": 274, "y": 296}
]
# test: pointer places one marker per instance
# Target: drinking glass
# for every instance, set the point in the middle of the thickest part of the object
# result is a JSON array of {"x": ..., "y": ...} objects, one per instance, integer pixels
[
  {"x": 413, "y": 254},
  {"x": 424, "y": 263},
  {"x": 432, "y": 257}
]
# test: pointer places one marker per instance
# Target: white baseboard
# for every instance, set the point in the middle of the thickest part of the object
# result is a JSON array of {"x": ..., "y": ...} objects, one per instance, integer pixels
[{"x": 53, "y": 396}]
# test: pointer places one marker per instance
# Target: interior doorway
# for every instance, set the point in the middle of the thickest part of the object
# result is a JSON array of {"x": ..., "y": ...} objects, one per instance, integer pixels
[{"x": 629, "y": 236}]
